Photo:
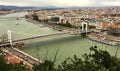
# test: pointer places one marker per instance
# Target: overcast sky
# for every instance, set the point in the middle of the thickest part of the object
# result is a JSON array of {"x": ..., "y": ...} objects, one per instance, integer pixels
[{"x": 61, "y": 3}]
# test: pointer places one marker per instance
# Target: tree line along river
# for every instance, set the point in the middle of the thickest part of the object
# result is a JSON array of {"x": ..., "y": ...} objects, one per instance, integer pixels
[{"x": 68, "y": 45}]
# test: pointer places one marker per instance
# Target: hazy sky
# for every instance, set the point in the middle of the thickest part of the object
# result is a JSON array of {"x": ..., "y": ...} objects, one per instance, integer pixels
[{"x": 61, "y": 3}]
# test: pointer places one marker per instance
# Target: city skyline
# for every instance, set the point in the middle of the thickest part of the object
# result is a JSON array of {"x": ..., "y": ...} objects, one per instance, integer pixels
[{"x": 61, "y": 3}]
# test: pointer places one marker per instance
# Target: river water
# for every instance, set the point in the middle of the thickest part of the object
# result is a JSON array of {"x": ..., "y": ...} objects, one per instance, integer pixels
[{"x": 46, "y": 47}]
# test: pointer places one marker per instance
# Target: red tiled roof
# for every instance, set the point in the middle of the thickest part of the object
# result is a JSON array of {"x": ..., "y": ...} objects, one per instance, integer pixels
[
  {"x": 115, "y": 25},
  {"x": 11, "y": 59},
  {"x": 104, "y": 25}
]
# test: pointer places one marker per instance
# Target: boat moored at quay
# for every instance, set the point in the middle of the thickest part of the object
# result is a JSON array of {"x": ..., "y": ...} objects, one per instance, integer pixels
[{"x": 103, "y": 40}]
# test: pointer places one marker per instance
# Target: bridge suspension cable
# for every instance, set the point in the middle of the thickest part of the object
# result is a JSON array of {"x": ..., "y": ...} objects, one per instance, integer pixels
[{"x": 21, "y": 33}]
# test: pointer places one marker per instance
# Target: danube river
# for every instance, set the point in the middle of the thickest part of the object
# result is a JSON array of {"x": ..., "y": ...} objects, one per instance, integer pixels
[{"x": 68, "y": 45}]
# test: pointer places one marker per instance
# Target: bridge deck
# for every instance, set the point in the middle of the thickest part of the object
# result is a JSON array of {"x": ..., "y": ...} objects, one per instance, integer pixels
[
  {"x": 5, "y": 44},
  {"x": 38, "y": 37},
  {"x": 28, "y": 38}
]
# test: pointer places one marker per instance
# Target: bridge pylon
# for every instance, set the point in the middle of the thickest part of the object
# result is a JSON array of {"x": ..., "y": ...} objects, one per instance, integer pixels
[{"x": 9, "y": 36}]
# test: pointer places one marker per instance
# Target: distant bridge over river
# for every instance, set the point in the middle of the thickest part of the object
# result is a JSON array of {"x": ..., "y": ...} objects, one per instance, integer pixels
[
  {"x": 34, "y": 37},
  {"x": 22, "y": 54},
  {"x": 28, "y": 38},
  {"x": 11, "y": 18}
]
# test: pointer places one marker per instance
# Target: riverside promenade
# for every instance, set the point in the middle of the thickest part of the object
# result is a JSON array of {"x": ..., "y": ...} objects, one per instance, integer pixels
[
  {"x": 106, "y": 38},
  {"x": 24, "y": 56},
  {"x": 18, "y": 58}
]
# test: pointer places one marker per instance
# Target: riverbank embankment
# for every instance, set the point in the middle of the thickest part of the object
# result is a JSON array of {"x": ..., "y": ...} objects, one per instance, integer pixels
[
  {"x": 105, "y": 38},
  {"x": 15, "y": 59},
  {"x": 54, "y": 26},
  {"x": 21, "y": 56}
]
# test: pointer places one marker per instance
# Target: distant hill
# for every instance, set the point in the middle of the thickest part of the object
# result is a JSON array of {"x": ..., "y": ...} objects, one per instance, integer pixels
[
  {"x": 16, "y": 7},
  {"x": 50, "y": 7},
  {"x": 93, "y": 7},
  {"x": 47, "y": 7},
  {"x": 26, "y": 7}
]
